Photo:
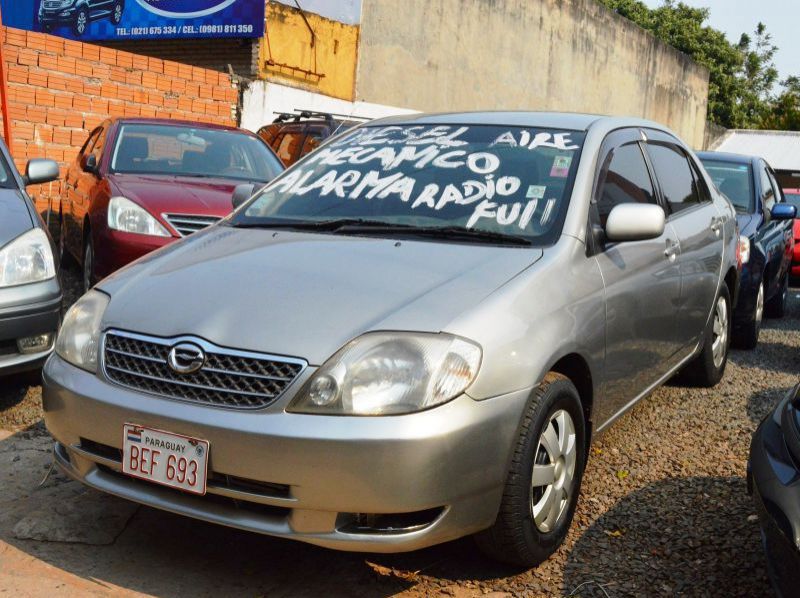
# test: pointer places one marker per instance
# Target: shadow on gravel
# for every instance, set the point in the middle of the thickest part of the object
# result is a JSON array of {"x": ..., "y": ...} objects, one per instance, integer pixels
[
  {"x": 761, "y": 403},
  {"x": 772, "y": 356},
  {"x": 687, "y": 536}
]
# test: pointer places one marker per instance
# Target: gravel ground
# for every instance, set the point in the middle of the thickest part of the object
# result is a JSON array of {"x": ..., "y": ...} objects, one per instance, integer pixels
[{"x": 664, "y": 511}]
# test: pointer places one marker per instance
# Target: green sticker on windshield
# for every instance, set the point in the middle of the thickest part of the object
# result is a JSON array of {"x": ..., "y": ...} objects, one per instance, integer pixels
[{"x": 561, "y": 166}]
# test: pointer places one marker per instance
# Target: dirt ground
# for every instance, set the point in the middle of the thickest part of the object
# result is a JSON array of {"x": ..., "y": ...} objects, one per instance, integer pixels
[{"x": 664, "y": 511}]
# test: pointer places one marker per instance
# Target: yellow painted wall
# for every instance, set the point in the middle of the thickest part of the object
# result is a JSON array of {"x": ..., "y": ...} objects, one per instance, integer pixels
[{"x": 288, "y": 41}]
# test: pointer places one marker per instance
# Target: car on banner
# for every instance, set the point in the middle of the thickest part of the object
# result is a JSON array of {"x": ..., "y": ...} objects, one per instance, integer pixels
[
  {"x": 139, "y": 184},
  {"x": 78, "y": 14},
  {"x": 412, "y": 335},
  {"x": 30, "y": 293}
]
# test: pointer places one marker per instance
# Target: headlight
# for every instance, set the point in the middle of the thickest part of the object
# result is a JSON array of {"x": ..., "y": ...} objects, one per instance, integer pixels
[
  {"x": 383, "y": 373},
  {"x": 79, "y": 339},
  {"x": 126, "y": 216},
  {"x": 744, "y": 249},
  {"x": 27, "y": 259}
]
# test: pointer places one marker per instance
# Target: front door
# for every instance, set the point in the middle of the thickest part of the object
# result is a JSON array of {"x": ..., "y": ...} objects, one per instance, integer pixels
[{"x": 641, "y": 278}]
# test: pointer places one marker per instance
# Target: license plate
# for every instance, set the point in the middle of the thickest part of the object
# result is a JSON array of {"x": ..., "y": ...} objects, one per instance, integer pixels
[{"x": 165, "y": 458}]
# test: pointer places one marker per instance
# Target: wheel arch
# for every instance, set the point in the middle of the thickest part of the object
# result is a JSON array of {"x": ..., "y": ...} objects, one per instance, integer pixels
[{"x": 575, "y": 367}]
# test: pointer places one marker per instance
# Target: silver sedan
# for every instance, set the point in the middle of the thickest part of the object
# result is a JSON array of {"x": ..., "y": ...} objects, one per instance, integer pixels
[{"x": 410, "y": 336}]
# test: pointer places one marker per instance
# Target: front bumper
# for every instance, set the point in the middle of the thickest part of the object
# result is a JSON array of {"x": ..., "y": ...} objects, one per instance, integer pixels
[
  {"x": 440, "y": 471},
  {"x": 52, "y": 16},
  {"x": 748, "y": 293},
  {"x": 774, "y": 481},
  {"x": 27, "y": 310}
]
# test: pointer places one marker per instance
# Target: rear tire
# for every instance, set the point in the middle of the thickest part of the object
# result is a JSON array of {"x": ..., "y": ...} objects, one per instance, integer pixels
[
  {"x": 549, "y": 457},
  {"x": 776, "y": 307},
  {"x": 708, "y": 367}
]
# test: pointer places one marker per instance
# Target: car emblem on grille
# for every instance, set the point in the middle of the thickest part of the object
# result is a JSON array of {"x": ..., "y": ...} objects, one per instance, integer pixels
[{"x": 186, "y": 358}]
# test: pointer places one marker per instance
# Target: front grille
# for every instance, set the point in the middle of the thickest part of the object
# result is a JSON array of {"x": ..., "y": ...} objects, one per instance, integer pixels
[
  {"x": 228, "y": 378},
  {"x": 186, "y": 224}
]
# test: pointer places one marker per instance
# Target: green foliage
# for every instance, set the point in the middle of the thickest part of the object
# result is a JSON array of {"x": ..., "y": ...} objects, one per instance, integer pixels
[{"x": 742, "y": 76}]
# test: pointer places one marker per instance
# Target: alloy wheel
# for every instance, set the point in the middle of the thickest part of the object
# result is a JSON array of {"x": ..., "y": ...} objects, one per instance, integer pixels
[
  {"x": 553, "y": 471},
  {"x": 80, "y": 22},
  {"x": 760, "y": 304},
  {"x": 719, "y": 345}
]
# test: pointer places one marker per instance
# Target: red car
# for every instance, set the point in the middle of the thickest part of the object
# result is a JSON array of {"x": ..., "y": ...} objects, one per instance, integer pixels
[
  {"x": 793, "y": 197},
  {"x": 140, "y": 184}
]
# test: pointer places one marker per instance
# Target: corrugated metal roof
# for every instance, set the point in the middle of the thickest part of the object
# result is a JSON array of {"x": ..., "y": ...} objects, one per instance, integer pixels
[{"x": 780, "y": 148}]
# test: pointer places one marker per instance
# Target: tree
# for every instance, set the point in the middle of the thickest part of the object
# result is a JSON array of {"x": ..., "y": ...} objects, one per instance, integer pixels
[
  {"x": 741, "y": 76},
  {"x": 785, "y": 108}
]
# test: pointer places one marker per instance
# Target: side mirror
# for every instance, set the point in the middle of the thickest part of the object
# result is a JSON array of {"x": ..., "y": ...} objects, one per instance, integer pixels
[
  {"x": 40, "y": 170},
  {"x": 242, "y": 193},
  {"x": 89, "y": 163},
  {"x": 783, "y": 211},
  {"x": 635, "y": 222}
]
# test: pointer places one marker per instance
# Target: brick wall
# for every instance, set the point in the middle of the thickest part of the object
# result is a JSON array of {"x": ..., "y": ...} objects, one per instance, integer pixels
[{"x": 59, "y": 90}]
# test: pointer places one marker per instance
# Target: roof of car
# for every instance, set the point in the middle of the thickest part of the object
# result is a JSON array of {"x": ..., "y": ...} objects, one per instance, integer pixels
[
  {"x": 727, "y": 157},
  {"x": 169, "y": 121},
  {"x": 555, "y": 120}
]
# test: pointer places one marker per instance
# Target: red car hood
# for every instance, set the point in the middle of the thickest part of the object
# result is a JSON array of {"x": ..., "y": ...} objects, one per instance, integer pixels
[{"x": 164, "y": 194}]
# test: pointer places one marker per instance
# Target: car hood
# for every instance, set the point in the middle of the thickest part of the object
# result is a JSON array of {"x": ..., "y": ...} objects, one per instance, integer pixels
[
  {"x": 303, "y": 295},
  {"x": 15, "y": 218},
  {"x": 161, "y": 194}
]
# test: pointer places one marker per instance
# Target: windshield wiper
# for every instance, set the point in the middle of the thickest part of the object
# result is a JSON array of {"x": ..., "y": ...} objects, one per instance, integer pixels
[
  {"x": 323, "y": 225},
  {"x": 364, "y": 226},
  {"x": 437, "y": 232}
]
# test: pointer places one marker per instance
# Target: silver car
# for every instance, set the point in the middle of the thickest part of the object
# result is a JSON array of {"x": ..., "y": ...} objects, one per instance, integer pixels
[{"x": 410, "y": 336}]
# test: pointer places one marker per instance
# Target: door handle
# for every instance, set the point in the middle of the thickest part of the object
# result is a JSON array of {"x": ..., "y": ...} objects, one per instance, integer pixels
[
  {"x": 716, "y": 227},
  {"x": 671, "y": 252}
]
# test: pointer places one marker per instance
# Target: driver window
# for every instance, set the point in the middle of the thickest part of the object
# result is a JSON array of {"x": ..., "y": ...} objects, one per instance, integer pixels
[{"x": 627, "y": 181}]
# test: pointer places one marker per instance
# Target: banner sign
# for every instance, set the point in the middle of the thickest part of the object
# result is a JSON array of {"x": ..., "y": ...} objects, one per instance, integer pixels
[{"x": 89, "y": 20}]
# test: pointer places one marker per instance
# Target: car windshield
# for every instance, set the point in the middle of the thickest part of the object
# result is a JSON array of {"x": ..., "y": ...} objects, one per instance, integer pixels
[
  {"x": 513, "y": 182},
  {"x": 192, "y": 151},
  {"x": 735, "y": 180}
]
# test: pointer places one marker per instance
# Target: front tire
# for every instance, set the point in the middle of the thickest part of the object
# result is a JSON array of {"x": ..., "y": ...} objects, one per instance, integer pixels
[
  {"x": 81, "y": 22},
  {"x": 709, "y": 366},
  {"x": 776, "y": 307},
  {"x": 88, "y": 264},
  {"x": 746, "y": 336},
  {"x": 544, "y": 478}
]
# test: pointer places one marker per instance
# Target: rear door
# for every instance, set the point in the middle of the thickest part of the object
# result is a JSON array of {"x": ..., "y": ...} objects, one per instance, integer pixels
[
  {"x": 698, "y": 226},
  {"x": 641, "y": 278}
]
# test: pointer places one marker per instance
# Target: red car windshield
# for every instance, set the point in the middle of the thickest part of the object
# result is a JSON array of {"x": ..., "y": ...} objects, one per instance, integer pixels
[{"x": 192, "y": 151}]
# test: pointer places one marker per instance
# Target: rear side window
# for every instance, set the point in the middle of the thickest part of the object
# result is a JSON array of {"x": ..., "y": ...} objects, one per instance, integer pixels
[
  {"x": 675, "y": 176},
  {"x": 289, "y": 146},
  {"x": 627, "y": 181}
]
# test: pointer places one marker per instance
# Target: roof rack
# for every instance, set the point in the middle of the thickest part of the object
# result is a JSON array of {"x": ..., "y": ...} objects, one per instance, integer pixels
[{"x": 297, "y": 115}]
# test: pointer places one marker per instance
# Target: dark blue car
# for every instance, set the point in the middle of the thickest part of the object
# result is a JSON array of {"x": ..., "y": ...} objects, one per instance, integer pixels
[{"x": 766, "y": 244}]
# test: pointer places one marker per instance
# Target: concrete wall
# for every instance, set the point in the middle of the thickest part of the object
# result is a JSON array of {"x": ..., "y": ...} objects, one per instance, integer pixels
[
  {"x": 327, "y": 66},
  {"x": 570, "y": 55}
]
